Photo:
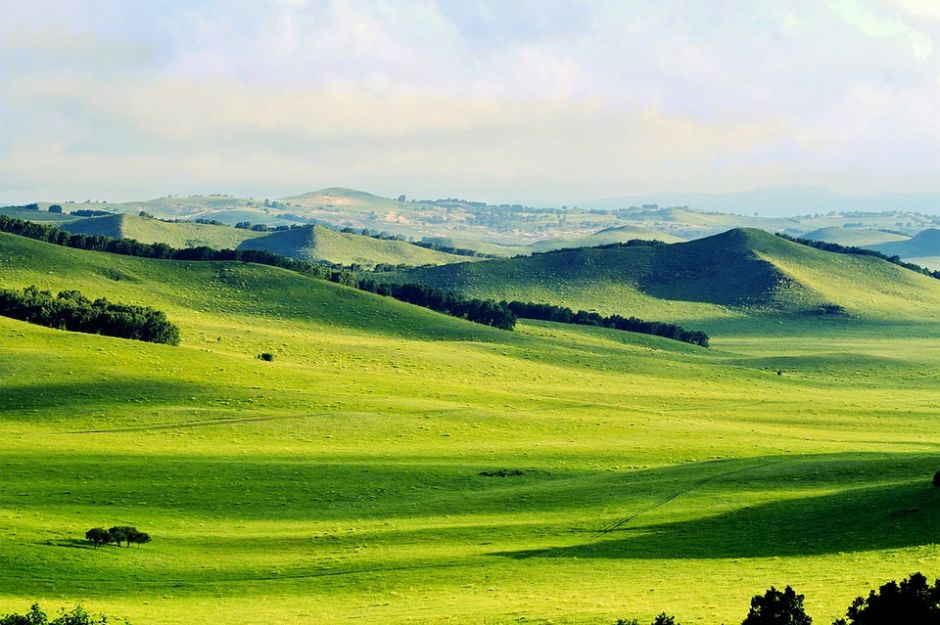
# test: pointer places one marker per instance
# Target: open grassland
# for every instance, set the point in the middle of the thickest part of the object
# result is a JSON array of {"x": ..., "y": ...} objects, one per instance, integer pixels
[{"x": 341, "y": 482}]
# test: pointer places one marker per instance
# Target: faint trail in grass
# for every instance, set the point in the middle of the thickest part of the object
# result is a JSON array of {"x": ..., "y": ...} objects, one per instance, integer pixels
[
  {"x": 682, "y": 491},
  {"x": 180, "y": 583},
  {"x": 190, "y": 424}
]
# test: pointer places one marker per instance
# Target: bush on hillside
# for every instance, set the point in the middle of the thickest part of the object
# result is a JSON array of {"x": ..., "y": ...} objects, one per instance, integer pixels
[
  {"x": 662, "y": 619},
  {"x": 55, "y": 208},
  {"x": 118, "y": 534},
  {"x": 912, "y": 602},
  {"x": 936, "y": 479},
  {"x": 36, "y": 616},
  {"x": 266, "y": 356},
  {"x": 777, "y": 608},
  {"x": 86, "y": 212},
  {"x": 70, "y": 310}
]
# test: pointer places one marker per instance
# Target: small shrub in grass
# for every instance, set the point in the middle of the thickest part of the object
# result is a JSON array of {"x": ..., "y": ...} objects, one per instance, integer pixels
[
  {"x": 266, "y": 356},
  {"x": 662, "y": 619},
  {"x": 777, "y": 608}
]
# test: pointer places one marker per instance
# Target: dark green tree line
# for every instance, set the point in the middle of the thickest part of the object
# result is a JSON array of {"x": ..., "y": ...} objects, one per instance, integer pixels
[{"x": 70, "y": 310}]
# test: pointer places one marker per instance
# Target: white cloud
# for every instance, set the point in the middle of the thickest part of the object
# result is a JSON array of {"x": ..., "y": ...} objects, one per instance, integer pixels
[{"x": 530, "y": 101}]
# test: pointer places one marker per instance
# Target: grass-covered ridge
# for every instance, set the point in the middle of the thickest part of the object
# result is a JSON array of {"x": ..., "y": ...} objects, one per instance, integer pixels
[
  {"x": 738, "y": 272},
  {"x": 318, "y": 243},
  {"x": 352, "y": 478},
  {"x": 311, "y": 243}
]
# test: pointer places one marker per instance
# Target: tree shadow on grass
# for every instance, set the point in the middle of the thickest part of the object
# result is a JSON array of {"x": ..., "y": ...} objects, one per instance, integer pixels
[
  {"x": 858, "y": 519},
  {"x": 71, "y": 543}
]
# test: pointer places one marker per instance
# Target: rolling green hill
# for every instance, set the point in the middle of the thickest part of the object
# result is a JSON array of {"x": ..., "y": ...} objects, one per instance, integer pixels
[
  {"x": 616, "y": 234},
  {"x": 858, "y": 237},
  {"x": 319, "y": 243},
  {"x": 715, "y": 277},
  {"x": 924, "y": 243},
  {"x": 39, "y": 216},
  {"x": 176, "y": 234},
  {"x": 356, "y": 478},
  {"x": 314, "y": 243}
]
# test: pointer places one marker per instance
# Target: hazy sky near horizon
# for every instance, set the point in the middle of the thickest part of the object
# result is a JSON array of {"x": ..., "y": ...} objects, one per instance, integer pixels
[{"x": 529, "y": 100}]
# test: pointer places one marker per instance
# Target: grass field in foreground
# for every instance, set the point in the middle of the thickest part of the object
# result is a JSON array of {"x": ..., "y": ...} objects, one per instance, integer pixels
[{"x": 340, "y": 483}]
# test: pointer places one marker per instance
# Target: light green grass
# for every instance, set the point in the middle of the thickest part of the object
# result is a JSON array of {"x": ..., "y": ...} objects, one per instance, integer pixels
[
  {"x": 617, "y": 234},
  {"x": 176, "y": 234},
  {"x": 319, "y": 243},
  {"x": 39, "y": 216},
  {"x": 859, "y": 237},
  {"x": 314, "y": 243},
  {"x": 339, "y": 483}
]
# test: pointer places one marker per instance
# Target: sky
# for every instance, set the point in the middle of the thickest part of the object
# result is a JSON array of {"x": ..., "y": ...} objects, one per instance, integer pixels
[{"x": 538, "y": 101}]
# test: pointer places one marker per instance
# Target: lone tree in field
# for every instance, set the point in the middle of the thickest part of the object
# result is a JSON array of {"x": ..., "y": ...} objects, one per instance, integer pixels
[
  {"x": 98, "y": 535},
  {"x": 777, "y": 608},
  {"x": 912, "y": 602}
]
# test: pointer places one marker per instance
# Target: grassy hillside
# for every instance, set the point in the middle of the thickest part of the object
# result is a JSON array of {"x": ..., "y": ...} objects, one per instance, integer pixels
[
  {"x": 924, "y": 243},
  {"x": 319, "y": 243},
  {"x": 718, "y": 277},
  {"x": 617, "y": 234},
  {"x": 39, "y": 216},
  {"x": 858, "y": 237},
  {"x": 313, "y": 243},
  {"x": 342, "y": 482},
  {"x": 175, "y": 234}
]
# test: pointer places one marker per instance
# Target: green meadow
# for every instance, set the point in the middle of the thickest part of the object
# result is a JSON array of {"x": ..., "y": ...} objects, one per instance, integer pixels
[{"x": 346, "y": 481}]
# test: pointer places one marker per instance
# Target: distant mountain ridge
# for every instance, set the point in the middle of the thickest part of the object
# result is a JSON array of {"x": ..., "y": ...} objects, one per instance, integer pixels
[{"x": 780, "y": 201}]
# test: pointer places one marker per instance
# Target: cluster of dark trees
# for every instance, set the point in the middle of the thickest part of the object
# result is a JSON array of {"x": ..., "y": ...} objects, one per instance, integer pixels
[
  {"x": 561, "y": 314},
  {"x": 118, "y": 534},
  {"x": 912, "y": 602},
  {"x": 70, "y": 310},
  {"x": 859, "y": 251},
  {"x": 36, "y": 616},
  {"x": 607, "y": 246},
  {"x": 488, "y": 312},
  {"x": 87, "y": 212},
  {"x": 247, "y": 225}
]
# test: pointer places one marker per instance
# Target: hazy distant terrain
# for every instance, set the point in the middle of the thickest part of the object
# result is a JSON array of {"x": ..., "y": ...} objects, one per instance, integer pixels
[{"x": 509, "y": 230}]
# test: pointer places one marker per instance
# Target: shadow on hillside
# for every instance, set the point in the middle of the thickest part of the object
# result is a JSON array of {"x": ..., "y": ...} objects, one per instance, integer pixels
[
  {"x": 857, "y": 519},
  {"x": 139, "y": 391},
  {"x": 71, "y": 543}
]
